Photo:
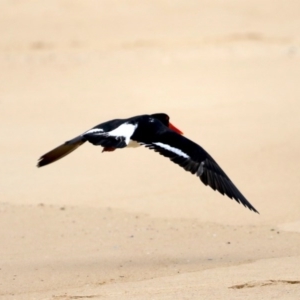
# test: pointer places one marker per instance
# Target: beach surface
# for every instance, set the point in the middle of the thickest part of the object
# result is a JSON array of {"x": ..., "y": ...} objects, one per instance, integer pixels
[{"x": 131, "y": 224}]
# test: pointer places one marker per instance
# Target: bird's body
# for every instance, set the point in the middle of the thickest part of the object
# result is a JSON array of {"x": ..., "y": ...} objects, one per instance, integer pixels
[{"x": 157, "y": 133}]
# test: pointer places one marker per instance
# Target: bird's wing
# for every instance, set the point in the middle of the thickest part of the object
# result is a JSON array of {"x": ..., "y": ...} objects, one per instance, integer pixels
[
  {"x": 60, "y": 151},
  {"x": 196, "y": 160},
  {"x": 116, "y": 138}
]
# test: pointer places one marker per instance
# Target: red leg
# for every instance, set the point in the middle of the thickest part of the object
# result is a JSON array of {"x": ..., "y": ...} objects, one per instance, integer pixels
[{"x": 108, "y": 149}]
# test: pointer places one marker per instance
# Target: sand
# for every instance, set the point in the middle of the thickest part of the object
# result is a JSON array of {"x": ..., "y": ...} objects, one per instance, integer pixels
[{"x": 130, "y": 224}]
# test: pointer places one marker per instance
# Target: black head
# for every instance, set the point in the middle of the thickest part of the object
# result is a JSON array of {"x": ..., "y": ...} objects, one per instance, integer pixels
[{"x": 165, "y": 119}]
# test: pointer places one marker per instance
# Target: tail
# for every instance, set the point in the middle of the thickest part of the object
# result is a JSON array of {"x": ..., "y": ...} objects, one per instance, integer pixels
[{"x": 60, "y": 151}]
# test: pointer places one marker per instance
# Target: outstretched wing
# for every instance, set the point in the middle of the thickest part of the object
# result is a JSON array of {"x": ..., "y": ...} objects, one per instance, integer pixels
[
  {"x": 60, "y": 151},
  {"x": 116, "y": 138},
  {"x": 196, "y": 160}
]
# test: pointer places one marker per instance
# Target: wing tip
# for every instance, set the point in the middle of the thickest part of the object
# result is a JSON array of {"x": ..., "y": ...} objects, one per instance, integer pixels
[
  {"x": 41, "y": 163},
  {"x": 245, "y": 203},
  {"x": 60, "y": 151},
  {"x": 252, "y": 208}
]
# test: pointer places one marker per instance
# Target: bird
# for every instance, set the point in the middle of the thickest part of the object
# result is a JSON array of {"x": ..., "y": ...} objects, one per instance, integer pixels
[{"x": 155, "y": 132}]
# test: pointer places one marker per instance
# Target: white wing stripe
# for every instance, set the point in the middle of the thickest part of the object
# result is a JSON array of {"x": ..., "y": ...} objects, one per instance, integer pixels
[
  {"x": 172, "y": 149},
  {"x": 94, "y": 130},
  {"x": 126, "y": 130}
]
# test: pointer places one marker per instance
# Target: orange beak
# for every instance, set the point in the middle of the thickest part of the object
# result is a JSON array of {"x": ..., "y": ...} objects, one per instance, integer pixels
[{"x": 171, "y": 126}]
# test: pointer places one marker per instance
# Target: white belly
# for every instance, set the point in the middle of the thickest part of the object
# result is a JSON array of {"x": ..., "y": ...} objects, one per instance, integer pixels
[{"x": 133, "y": 144}]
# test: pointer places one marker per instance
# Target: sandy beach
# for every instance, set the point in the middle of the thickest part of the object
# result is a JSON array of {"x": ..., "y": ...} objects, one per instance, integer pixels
[{"x": 130, "y": 224}]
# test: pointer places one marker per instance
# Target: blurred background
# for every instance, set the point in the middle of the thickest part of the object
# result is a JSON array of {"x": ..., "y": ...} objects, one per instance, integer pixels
[{"x": 227, "y": 72}]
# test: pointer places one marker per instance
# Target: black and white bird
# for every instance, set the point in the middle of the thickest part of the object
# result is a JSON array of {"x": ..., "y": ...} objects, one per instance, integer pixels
[{"x": 157, "y": 133}]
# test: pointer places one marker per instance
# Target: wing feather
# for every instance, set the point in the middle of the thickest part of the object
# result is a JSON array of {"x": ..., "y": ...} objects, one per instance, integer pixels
[{"x": 195, "y": 160}]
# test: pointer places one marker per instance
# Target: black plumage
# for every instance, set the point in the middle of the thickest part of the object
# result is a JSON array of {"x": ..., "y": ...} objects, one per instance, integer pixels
[{"x": 156, "y": 133}]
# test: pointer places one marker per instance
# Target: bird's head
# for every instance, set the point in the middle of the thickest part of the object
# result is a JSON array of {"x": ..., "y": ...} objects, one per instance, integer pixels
[{"x": 165, "y": 119}]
